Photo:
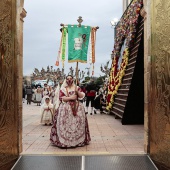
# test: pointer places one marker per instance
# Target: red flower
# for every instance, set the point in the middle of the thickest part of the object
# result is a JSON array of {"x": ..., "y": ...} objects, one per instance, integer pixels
[{"x": 138, "y": 11}]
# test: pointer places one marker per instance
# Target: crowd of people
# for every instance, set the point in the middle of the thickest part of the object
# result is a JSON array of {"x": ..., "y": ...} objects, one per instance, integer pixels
[{"x": 65, "y": 107}]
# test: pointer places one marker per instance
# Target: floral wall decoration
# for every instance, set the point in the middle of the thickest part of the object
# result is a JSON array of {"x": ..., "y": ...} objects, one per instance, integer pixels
[{"x": 125, "y": 30}]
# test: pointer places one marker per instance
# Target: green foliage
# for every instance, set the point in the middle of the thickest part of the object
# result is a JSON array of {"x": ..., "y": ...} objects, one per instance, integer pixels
[
  {"x": 87, "y": 79},
  {"x": 100, "y": 80}
]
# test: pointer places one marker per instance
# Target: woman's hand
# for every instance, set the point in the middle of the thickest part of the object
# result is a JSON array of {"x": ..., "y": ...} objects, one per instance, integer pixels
[
  {"x": 73, "y": 97},
  {"x": 76, "y": 92},
  {"x": 64, "y": 98}
]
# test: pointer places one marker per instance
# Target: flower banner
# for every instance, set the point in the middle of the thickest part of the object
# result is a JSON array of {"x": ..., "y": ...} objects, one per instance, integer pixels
[
  {"x": 125, "y": 34},
  {"x": 78, "y": 41}
]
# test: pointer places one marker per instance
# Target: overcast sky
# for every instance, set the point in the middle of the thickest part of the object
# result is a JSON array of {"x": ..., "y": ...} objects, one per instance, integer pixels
[{"x": 42, "y": 35}]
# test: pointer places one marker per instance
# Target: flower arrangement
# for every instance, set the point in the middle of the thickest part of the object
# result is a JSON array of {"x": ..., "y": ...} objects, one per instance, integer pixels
[{"x": 126, "y": 29}]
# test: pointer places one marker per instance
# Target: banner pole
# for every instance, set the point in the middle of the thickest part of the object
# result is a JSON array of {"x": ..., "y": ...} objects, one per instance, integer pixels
[
  {"x": 77, "y": 74},
  {"x": 80, "y": 20}
]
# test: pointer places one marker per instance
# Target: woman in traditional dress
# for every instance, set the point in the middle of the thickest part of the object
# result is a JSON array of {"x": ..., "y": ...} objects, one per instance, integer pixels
[
  {"x": 47, "y": 112},
  {"x": 33, "y": 94},
  {"x": 70, "y": 125},
  {"x": 56, "y": 98},
  {"x": 56, "y": 95},
  {"x": 51, "y": 94},
  {"x": 38, "y": 95},
  {"x": 44, "y": 94}
]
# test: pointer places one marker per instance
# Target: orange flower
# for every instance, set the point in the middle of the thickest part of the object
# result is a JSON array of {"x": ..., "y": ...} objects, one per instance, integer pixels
[{"x": 57, "y": 63}]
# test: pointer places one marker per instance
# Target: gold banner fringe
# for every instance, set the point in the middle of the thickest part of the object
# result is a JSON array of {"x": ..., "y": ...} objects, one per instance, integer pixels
[{"x": 81, "y": 61}]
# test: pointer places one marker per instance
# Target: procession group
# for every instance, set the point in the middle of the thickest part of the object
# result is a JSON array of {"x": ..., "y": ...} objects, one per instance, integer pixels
[{"x": 65, "y": 108}]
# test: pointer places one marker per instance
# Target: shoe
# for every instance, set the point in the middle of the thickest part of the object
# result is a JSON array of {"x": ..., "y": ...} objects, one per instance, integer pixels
[
  {"x": 90, "y": 113},
  {"x": 95, "y": 112}
]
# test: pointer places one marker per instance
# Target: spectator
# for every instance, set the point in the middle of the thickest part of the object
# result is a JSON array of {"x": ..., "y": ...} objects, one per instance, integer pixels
[
  {"x": 98, "y": 103},
  {"x": 29, "y": 94},
  {"x": 90, "y": 94},
  {"x": 23, "y": 94}
]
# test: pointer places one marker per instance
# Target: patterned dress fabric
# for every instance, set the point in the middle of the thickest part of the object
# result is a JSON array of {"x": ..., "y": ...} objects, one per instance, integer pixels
[{"x": 70, "y": 125}]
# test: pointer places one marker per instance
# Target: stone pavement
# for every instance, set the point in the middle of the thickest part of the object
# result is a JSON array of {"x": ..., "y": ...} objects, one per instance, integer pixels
[{"x": 108, "y": 136}]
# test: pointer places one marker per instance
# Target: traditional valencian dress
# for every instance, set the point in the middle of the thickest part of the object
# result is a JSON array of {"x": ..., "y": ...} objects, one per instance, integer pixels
[
  {"x": 70, "y": 125},
  {"x": 46, "y": 113},
  {"x": 38, "y": 96},
  {"x": 44, "y": 94},
  {"x": 56, "y": 101},
  {"x": 51, "y": 95}
]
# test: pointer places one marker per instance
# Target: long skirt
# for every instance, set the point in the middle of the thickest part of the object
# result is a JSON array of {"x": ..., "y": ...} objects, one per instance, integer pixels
[
  {"x": 70, "y": 130},
  {"x": 38, "y": 97},
  {"x": 46, "y": 117}
]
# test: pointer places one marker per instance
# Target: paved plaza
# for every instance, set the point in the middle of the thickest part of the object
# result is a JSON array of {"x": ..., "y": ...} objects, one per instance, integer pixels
[{"x": 108, "y": 136}]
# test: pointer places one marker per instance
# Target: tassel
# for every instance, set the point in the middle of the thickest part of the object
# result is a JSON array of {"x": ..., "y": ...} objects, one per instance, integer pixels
[
  {"x": 64, "y": 44},
  {"x": 93, "y": 70},
  {"x": 90, "y": 51},
  {"x": 59, "y": 52},
  {"x": 93, "y": 40}
]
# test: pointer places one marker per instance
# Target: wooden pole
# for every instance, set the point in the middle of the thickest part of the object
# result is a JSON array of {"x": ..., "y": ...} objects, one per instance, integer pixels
[
  {"x": 77, "y": 74},
  {"x": 80, "y": 20}
]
